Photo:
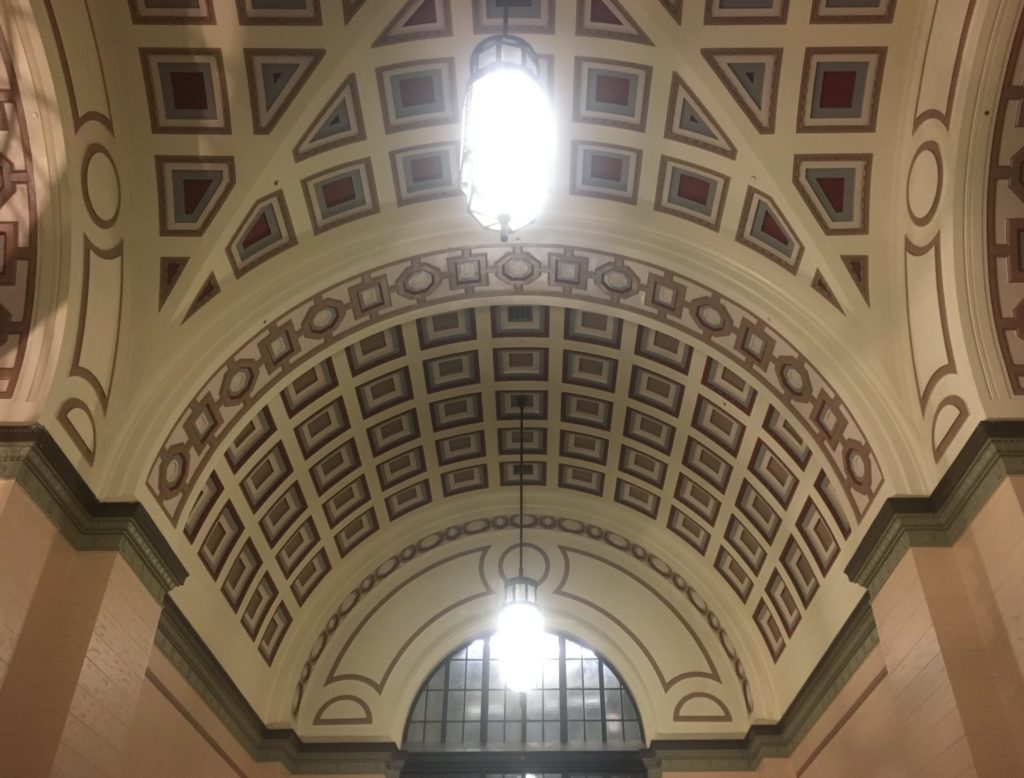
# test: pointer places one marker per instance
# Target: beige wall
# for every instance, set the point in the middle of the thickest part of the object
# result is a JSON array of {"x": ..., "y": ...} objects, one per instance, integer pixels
[
  {"x": 859, "y": 735},
  {"x": 78, "y": 630},
  {"x": 27, "y": 536},
  {"x": 175, "y": 734}
]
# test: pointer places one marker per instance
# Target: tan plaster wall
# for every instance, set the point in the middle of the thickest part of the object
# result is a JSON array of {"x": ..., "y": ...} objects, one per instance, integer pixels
[
  {"x": 75, "y": 635},
  {"x": 769, "y": 768},
  {"x": 102, "y": 710},
  {"x": 176, "y": 734},
  {"x": 991, "y": 555},
  {"x": 27, "y": 535},
  {"x": 859, "y": 734}
]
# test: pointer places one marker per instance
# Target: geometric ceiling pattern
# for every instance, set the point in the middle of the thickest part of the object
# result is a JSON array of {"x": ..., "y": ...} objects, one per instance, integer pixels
[
  {"x": 840, "y": 88},
  {"x": 350, "y": 447},
  {"x": 18, "y": 244},
  {"x": 350, "y": 344}
]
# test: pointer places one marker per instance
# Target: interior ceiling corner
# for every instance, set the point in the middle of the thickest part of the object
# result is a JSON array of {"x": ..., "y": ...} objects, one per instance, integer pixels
[{"x": 288, "y": 339}]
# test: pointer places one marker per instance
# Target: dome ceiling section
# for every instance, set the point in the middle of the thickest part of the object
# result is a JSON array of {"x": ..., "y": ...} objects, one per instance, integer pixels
[
  {"x": 755, "y": 471},
  {"x": 271, "y": 144}
]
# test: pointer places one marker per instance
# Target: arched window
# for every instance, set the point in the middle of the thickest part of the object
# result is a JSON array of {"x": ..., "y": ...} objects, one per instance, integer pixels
[{"x": 581, "y": 703}]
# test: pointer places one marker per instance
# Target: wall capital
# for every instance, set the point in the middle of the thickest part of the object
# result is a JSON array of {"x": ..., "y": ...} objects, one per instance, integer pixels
[
  {"x": 994, "y": 451},
  {"x": 32, "y": 458}
]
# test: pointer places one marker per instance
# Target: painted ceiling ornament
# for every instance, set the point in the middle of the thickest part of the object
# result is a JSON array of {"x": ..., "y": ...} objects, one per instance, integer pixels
[{"x": 508, "y": 134}]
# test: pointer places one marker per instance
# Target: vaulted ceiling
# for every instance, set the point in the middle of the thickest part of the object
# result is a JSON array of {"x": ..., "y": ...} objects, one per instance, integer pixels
[{"x": 742, "y": 321}]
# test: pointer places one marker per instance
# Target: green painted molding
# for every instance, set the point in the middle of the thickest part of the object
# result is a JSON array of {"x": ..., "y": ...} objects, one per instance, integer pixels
[
  {"x": 841, "y": 660},
  {"x": 994, "y": 451},
  {"x": 34, "y": 460},
  {"x": 180, "y": 643},
  {"x": 183, "y": 647}
]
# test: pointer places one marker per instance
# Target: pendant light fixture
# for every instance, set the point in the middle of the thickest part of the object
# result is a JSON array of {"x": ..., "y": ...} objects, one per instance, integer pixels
[
  {"x": 508, "y": 133},
  {"x": 520, "y": 637}
]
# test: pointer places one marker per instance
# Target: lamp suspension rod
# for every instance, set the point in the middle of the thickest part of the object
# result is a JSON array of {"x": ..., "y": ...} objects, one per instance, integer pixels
[
  {"x": 522, "y": 443},
  {"x": 504, "y": 26}
]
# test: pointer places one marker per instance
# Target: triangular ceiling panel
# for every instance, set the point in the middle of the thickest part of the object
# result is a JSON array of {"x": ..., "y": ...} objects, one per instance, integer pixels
[
  {"x": 417, "y": 20},
  {"x": 171, "y": 269},
  {"x": 350, "y": 8},
  {"x": 836, "y": 189},
  {"x": 191, "y": 191},
  {"x": 764, "y": 229},
  {"x": 820, "y": 285},
  {"x": 857, "y": 267},
  {"x": 340, "y": 122},
  {"x": 275, "y": 78},
  {"x": 752, "y": 78},
  {"x": 207, "y": 292},
  {"x": 675, "y": 8},
  {"x": 690, "y": 122},
  {"x": 265, "y": 232},
  {"x": 608, "y": 19}
]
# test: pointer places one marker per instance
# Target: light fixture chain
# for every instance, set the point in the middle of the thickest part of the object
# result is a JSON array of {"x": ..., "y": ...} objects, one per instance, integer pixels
[{"x": 522, "y": 445}]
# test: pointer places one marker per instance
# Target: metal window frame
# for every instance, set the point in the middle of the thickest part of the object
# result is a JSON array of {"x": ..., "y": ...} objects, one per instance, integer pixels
[{"x": 485, "y": 721}]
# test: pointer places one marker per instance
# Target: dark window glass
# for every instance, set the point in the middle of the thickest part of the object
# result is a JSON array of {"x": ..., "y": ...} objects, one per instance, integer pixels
[{"x": 580, "y": 701}]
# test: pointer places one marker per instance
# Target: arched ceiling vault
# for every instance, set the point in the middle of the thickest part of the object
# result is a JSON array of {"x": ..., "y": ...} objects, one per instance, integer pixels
[
  {"x": 756, "y": 479},
  {"x": 287, "y": 338},
  {"x": 744, "y": 154}
]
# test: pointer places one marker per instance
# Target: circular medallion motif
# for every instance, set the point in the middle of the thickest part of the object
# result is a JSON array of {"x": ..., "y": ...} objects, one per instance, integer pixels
[
  {"x": 924, "y": 183},
  {"x": 712, "y": 315},
  {"x": 101, "y": 186},
  {"x": 238, "y": 381},
  {"x": 174, "y": 469},
  {"x": 794, "y": 377},
  {"x": 321, "y": 318},
  {"x": 856, "y": 464},
  {"x": 418, "y": 281},
  {"x": 617, "y": 281}
]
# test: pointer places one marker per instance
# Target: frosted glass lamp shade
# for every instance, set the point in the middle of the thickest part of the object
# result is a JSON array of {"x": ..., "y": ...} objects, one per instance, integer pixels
[{"x": 508, "y": 136}]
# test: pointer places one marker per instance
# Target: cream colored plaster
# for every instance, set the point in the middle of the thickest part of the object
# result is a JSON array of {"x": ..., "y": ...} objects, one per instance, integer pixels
[{"x": 160, "y": 362}]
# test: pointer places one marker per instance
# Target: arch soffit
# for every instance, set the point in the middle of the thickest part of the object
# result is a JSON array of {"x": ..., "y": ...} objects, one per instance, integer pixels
[{"x": 478, "y": 544}]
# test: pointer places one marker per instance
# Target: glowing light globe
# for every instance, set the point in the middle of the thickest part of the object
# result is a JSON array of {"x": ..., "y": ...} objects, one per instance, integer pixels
[
  {"x": 520, "y": 641},
  {"x": 508, "y": 136}
]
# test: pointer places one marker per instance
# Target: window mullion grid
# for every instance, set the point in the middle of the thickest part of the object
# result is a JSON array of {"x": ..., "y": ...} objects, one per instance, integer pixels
[
  {"x": 563, "y": 697},
  {"x": 522, "y": 716},
  {"x": 604, "y": 713},
  {"x": 485, "y": 704},
  {"x": 444, "y": 701}
]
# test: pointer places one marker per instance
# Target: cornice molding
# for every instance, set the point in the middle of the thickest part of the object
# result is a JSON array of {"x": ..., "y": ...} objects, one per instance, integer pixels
[
  {"x": 183, "y": 647},
  {"x": 32, "y": 458},
  {"x": 994, "y": 451},
  {"x": 180, "y": 643}
]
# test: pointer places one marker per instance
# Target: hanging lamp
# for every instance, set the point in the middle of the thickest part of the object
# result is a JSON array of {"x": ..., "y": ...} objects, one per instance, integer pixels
[
  {"x": 520, "y": 636},
  {"x": 508, "y": 134}
]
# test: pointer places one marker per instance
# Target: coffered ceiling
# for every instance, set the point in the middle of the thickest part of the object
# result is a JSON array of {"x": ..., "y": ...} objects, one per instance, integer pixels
[{"x": 739, "y": 322}]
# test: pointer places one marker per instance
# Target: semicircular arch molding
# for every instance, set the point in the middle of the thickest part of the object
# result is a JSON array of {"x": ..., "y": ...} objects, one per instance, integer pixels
[{"x": 456, "y": 586}]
